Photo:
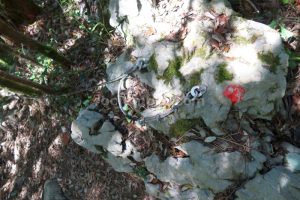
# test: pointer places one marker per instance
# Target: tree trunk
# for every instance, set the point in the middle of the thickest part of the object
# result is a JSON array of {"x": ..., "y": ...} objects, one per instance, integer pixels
[
  {"x": 18, "y": 84},
  {"x": 20, "y": 39},
  {"x": 7, "y": 51},
  {"x": 21, "y": 11}
]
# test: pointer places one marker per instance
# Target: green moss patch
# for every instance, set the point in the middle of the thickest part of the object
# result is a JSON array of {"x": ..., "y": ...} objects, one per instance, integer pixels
[
  {"x": 173, "y": 70},
  {"x": 195, "y": 78},
  {"x": 181, "y": 126},
  {"x": 223, "y": 74},
  {"x": 243, "y": 40},
  {"x": 141, "y": 171},
  {"x": 270, "y": 59},
  {"x": 153, "y": 66},
  {"x": 253, "y": 38}
]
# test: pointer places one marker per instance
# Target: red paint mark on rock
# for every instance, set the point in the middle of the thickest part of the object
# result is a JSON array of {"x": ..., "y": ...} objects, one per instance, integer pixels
[{"x": 234, "y": 93}]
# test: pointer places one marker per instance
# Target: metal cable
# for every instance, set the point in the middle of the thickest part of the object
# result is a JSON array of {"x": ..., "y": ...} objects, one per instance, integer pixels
[{"x": 119, "y": 95}]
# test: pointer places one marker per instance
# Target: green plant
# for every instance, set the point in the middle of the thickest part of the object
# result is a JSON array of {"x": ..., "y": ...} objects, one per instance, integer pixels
[
  {"x": 294, "y": 59},
  {"x": 40, "y": 74},
  {"x": 287, "y": 1},
  {"x": 284, "y": 33}
]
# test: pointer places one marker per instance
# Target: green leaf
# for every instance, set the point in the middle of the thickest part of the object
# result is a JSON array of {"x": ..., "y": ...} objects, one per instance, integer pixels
[
  {"x": 287, "y": 1},
  {"x": 273, "y": 24},
  {"x": 86, "y": 102},
  {"x": 285, "y": 34},
  {"x": 126, "y": 108}
]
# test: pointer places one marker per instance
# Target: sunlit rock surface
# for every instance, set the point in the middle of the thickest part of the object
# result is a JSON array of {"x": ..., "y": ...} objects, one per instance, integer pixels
[
  {"x": 91, "y": 132},
  {"x": 175, "y": 38},
  {"x": 204, "y": 168},
  {"x": 278, "y": 184},
  {"x": 255, "y": 60}
]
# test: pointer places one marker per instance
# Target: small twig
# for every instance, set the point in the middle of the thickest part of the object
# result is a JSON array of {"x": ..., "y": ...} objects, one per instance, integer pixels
[
  {"x": 241, "y": 145},
  {"x": 253, "y": 6}
]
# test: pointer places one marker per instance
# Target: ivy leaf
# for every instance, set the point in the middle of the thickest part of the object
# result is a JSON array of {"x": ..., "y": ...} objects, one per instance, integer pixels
[
  {"x": 285, "y": 34},
  {"x": 273, "y": 24},
  {"x": 86, "y": 102}
]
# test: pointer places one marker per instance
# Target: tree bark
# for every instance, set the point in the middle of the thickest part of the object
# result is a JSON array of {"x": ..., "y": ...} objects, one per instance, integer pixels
[
  {"x": 19, "y": 39},
  {"x": 6, "y": 50},
  {"x": 18, "y": 84},
  {"x": 21, "y": 11}
]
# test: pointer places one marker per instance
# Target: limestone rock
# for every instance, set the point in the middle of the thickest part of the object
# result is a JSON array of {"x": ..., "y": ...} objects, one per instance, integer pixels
[
  {"x": 256, "y": 62},
  {"x": 290, "y": 148},
  {"x": 278, "y": 184},
  {"x": 52, "y": 191},
  {"x": 293, "y": 162},
  {"x": 174, "y": 193},
  {"x": 204, "y": 168},
  {"x": 90, "y": 131}
]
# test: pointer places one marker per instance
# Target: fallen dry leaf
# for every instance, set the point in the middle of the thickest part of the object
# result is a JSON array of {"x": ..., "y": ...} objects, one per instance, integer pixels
[
  {"x": 215, "y": 44},
  {"x": 150, "y": 31},
  {"x": 177, "y": 153},
  {"x": 65, "y": 138},
  {"x": 178, "y": 35}
]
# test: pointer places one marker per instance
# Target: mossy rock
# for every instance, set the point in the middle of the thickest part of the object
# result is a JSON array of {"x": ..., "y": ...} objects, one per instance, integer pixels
[
  {"x": 173, "y": 70},
  {"x": 153, "y": 65},
  {"x": 195, "y": 78},
  {"x": 244, "y": 41},
  {"x": 200, "y": 52},
  {"x": 101, "y": 151},
  {"x": 273, "y": 61},
  {"x": 223, "y": 74},
  {"x": 141, "y": 171},
  {"x": 181, "y": 126}
]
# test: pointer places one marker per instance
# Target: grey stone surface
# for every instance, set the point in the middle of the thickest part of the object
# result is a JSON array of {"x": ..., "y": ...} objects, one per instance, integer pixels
[
  {"x": 174, "y": 193},
  {"x": 292, "y": 161},
  {"x": 204, "y": 172},
  {"x": 92, "y": 132},
  {"x": 264, "y": 87},
  {"x": 204, "y": 168},
  {"x": 278, "y": 184},
  {"x": 290, "y": 148},
  {"x": 52, "y": 191}
]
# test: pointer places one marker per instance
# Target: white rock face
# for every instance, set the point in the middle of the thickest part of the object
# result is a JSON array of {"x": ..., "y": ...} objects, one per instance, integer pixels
[
  {"x": 256, "y": 59},
  {"x": 205, "y": 169},
  {"x": 104, "y": 140},
  {"x": 278, "y": 184}
]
